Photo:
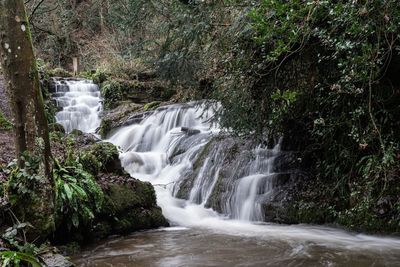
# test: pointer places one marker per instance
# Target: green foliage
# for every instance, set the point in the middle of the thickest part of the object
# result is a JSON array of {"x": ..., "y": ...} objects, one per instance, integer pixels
[
  {"x": 79, "y": 197},
  {"x": 22, "y": 252},
  {"x": 24, "y": 183},
  {"x": 112, "y": 93},
  {"x": 280, "y": 107},
  {"x": 15, "y": 259},
  {"x": 98, "y": 77},
  {"x": 4, "y": 123},
  {"x": 89, "y": 162}
]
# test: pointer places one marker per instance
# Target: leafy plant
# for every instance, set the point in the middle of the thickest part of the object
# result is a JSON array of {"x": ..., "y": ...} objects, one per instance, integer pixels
[
  {"x": 22, "y": 252},
  {"x": 14, "y": 259},
  {"x": 23, "y": 183},
  {"x": 79, "y": 197}
]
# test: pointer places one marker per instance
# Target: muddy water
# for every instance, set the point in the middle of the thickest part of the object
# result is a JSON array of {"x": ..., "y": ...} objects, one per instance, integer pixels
[{"x": 175, "y": 247}]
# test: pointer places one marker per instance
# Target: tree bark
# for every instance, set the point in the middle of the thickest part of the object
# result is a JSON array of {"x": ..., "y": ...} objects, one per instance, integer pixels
[{"x": 26, "y": 101}]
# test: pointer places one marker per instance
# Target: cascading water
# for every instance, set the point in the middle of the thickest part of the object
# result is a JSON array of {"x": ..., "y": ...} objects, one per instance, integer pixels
[
  {"x": 79, "y": 102},
  {"x": 148, "y": 154},
  {"x": 165, "y": 148}
]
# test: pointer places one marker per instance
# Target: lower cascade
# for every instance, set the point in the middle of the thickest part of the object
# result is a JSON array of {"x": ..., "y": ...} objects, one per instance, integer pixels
[{"x": 164, "y": 147}]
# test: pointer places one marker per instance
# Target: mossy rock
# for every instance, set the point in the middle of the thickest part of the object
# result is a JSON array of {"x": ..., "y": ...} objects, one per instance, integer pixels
[
  {"x": 56, "y": 127},
  {"x": 107, "y": 154},
  {"x": 76, "y": 132},
  {"x": 121, "y": 198},
  {"x": 105, "y": 127},
  {"x": 59, "y": 72},
  {"x": 152, "y": 105},
  {"x": 129, "y": 207},
  {"x": 112, "y": 93},
  {"x": 89, "y": 162}
]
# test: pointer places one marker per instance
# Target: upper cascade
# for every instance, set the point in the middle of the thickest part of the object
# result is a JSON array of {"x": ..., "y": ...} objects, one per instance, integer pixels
[{"x": 80, "y": 105}]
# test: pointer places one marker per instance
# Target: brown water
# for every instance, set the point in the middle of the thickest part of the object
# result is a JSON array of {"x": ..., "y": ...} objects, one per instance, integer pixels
[{"x": 186, "y": 247}]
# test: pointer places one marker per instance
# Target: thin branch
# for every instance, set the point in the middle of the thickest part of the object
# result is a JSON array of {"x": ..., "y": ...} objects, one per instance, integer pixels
[{"x": 35, "y": 9}]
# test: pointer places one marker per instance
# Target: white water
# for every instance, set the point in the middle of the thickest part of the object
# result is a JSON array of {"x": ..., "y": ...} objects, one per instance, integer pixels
[
  {"x": 147, "y": 147},
  {"x": 80, "y": 102}
]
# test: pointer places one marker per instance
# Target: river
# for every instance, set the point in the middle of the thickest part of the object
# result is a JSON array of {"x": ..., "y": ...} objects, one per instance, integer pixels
[{"x": 162, "y": 148}]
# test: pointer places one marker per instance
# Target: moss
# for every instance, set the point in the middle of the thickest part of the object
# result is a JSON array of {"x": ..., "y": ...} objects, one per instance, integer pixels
[
  {"x": 76, "y": 132},
  {"x": 98, "y": 76},
  {"x": 105, "y": 127},
  {"x": 112, "y": 93},
  {"x": 129, "y": 207},
  {"x": 108, "y": 156},
  {"x": 203, "y": 154},
  {"x": 56, "y": 127},
  {"x": 4, "y": 123},
  {"x": 151, "y": 105},
  {"x": 120, "y": 197},
  {"x": 59, "y": 72},
  {"x": 89, "y": 162}
]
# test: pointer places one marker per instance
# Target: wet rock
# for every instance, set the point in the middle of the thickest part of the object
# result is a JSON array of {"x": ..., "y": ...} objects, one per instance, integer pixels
[
  {"x": 129, "y": 205},
  {"x": 190, "y": 131},
  {"x": 56, "y": 260}
]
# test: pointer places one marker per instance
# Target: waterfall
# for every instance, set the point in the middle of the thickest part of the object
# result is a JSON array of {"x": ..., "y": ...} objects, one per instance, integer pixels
[
  {"x": 79, "y": 103},
  {"x": 163, "y": 149},
  {"x": 175, "y": 148}
]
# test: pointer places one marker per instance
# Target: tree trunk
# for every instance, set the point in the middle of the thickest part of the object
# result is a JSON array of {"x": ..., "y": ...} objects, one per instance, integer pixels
[{"x": 26, "y": 102}]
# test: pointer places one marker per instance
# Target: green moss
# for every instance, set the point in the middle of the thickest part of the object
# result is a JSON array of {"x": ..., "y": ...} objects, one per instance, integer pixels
[
  {"x": 76, "y": 132},
  {"x": 112, "y": 93},
  {"x": 89, "y": 162},
  {"x": 56, "y": 127},
  {"x": 105, "y": 127},
  {"x": 108, "y": 156},
  {"x": 59, "y": 72},
  {"x": 151, "y": 105},
  {"x": 98, "y": 76},
  {"x": 131, "y": 207}
]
